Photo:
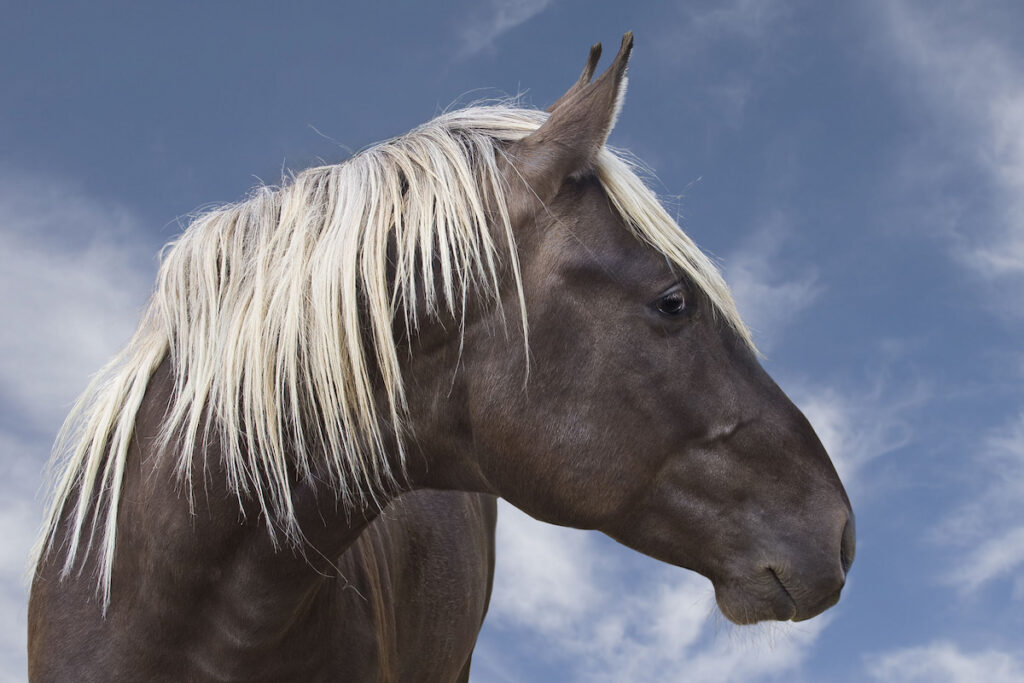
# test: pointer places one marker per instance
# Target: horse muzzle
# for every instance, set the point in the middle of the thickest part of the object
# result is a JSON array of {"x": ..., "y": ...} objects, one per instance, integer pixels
[{"x": 794, "y": 588}]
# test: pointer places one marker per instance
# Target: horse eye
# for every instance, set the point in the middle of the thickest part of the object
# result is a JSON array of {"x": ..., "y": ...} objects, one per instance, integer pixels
[{"x": 672, "y": 304}]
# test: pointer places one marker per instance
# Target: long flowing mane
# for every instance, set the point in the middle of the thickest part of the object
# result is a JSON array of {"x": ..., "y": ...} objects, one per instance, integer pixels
[{"x": 277, "y": 316}]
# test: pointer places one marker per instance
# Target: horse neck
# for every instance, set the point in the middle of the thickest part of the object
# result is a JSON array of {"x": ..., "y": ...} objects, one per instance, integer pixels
[
  {"x": 218, "y": 559},
  {"x": 215, "y": 569}
]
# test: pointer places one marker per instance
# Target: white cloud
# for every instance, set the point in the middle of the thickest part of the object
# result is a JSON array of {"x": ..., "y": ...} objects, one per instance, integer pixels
[
  {"x": 769, "y": 295},
  {"x": 608, "y": 614},
  {"x": 548, "y": 594},
  {"x": 987, "y": 528},
  {"x": 945, "y": 662},
  {"x": 496, "y": 18},
  {"x": 74, "y": 280},
  {"x": 74, "y": 283},
  {"x": 19, "y": 521},
  {"x": 969, "y": 69}
]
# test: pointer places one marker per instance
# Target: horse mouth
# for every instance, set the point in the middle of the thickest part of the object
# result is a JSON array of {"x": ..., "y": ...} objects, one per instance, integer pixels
[
  {"x": 765, "y": 597},
  {"x": 789, "y": 611}
]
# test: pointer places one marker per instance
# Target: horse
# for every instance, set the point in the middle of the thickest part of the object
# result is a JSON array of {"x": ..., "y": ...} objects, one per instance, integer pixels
[{"x": 290, "y": 471}]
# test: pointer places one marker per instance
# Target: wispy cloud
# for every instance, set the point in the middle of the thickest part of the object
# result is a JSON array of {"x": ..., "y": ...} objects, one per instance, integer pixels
[
  {"x": 494, "y": 18},
  {"x": 988, "y": 529},
  {"x": 607, "y": 614},
  {"x": 858, "y": 425},
  {"x": 700, "y": 28},
  {"x": 702, "y": 24},
  {"x": 770, "y": 294},
  {"x": 945, "y": 662},
  {"x": 968, "y": 68},
  {"x": 74, "y": 280},
  {"x": 991, "y": 559},
  {"x": 748, "y": 19}
]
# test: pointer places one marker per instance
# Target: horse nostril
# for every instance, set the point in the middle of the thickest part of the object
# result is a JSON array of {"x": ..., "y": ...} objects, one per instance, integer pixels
[{"x": 849, "y": 544}]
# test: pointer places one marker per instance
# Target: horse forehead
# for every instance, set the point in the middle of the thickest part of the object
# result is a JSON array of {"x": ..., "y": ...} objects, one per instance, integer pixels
[{"x": 585, "y": 231}]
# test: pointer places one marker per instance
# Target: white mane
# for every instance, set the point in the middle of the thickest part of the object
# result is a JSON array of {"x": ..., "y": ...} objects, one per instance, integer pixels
[{"x": 273, "y": 311}]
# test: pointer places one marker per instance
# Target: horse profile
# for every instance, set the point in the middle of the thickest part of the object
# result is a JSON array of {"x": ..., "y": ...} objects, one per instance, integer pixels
[{"x": 493, "y": 304}]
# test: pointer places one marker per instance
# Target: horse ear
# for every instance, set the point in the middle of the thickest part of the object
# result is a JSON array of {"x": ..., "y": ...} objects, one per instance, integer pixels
[
  {"x": 585, "y": 77},
  {"x": 580, "y": 121}
]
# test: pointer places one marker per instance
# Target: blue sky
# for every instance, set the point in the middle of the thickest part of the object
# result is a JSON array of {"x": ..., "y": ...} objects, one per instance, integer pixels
[{"x": 857, "y": 168}]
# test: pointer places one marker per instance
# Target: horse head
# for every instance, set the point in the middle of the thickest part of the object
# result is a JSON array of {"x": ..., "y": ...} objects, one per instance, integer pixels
[{"x": 645, "y": 412}]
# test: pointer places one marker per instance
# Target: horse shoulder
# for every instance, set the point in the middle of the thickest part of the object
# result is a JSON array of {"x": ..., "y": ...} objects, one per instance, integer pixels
[{"x": 415, "y": 586}]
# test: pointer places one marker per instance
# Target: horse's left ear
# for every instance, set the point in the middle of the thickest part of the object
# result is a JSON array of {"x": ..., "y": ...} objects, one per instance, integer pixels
[{"x": 568, "y": 142}]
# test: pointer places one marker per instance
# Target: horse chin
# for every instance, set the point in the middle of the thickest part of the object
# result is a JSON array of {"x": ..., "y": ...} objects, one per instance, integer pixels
[{"x": 751, "y": 600}]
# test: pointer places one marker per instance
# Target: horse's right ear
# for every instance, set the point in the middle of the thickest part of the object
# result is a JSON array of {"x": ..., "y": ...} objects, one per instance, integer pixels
[{"x": 568, "y": 142}]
